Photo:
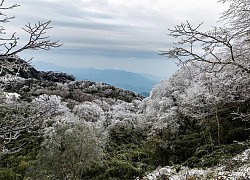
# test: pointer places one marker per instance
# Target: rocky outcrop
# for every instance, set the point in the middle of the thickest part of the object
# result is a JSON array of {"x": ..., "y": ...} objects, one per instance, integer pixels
[
  {"x": 57, "y": 76},
  {"x": 18, "y": 67}
]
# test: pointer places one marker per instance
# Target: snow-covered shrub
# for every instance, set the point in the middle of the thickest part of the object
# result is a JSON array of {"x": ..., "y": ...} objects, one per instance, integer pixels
[
  {"x": 20, "y": 116},
  {"x": 107, "y": 113},
  {"x": 69, "y": 150},
  {"x": 89, "y": 112},
  {"x": 51, "y": 105}
]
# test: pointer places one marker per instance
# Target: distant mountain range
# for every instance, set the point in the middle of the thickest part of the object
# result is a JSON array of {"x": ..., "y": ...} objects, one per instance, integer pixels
[{"x": 140, "y": 83}]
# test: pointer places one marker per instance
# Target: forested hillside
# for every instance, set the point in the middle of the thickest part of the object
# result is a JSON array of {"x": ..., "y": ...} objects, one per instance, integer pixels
[
  {"x": 97, "y": 131},
  {"x": 194, "y": 125}
]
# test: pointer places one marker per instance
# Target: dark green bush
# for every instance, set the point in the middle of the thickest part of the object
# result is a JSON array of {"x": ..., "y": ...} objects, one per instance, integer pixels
[
  {"x": 15, "y": 165},
  {"x": 8, "y": 174},
  {"x": 121, "y": 170},
  {"x": 205, "y": 156}
]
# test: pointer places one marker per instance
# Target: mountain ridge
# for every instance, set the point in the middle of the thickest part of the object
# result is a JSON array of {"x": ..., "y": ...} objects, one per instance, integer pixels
[{"x": 137, "y": 82}]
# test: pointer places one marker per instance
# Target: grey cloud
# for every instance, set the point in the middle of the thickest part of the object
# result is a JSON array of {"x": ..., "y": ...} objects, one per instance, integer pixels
[
  {"x": 112, "y": 33},
  {"x": 111, "y": 53}
]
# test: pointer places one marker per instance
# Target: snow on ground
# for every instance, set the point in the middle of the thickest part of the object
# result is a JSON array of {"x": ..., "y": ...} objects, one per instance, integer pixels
[{"x": 237, "y": 168}]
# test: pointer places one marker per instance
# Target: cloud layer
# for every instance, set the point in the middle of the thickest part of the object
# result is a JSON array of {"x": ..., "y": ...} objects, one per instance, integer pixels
[{"x": 124, "y": 34}]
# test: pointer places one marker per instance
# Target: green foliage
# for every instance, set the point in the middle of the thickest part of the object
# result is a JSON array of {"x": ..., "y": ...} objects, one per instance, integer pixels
[
  {"x": 127, "y": 156},
  {"x": 126, "y": 134},
  {"x": 15, "y": 165},
  {"x": 121, "y": 170},
  {"x": 8, "y": 174},
  {"x": 206, "y": 156}
]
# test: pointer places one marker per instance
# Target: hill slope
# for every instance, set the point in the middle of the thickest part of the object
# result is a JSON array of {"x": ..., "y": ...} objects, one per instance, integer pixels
[{"x": 45, "y": 116}]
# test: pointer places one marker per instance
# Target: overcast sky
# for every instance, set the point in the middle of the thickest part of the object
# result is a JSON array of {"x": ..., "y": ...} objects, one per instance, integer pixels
[{"x": 117, "y": 34}]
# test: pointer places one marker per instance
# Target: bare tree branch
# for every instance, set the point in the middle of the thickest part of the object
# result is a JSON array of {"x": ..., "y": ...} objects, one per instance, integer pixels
[
  {"x": 37, "y": 39},
  {"x": 37, "y": 35},
  {"x": 218, "y": 47}
]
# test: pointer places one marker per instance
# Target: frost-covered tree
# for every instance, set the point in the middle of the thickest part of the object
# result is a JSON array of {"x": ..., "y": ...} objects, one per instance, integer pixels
[
  {"x": 18, "y": 116},
  {"x": 237, "y": 16},
  {"x": 195, "y": 94},
  {"x": 219, "y": 47},
  {"x": 160, "y": 110},
  {"x": 68, "y": 151},
  {"x": 89, "y": 112}
]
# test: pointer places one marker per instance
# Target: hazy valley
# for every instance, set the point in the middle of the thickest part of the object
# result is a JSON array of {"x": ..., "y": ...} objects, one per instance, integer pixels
[{"x": 140, "y": 83}]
